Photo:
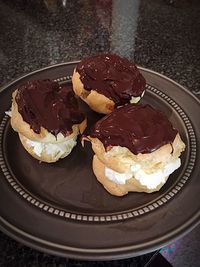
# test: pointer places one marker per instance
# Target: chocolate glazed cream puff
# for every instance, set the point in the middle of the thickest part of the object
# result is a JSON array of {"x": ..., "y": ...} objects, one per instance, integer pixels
[
  {"x": 47, "y": 119},
  {"x": 106, "y": 81},
  {"x": 136, "y": 149}
]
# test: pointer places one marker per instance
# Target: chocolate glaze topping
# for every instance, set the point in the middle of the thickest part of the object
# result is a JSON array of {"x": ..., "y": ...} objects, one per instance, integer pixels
[
  {"x": 43, "y": 103},
  {"x": 140, "y": 128},
  {"x": 114, "y": 77}
]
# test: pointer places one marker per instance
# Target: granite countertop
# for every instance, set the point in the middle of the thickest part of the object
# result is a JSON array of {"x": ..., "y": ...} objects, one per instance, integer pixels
[{"x": 162, "y": 35}]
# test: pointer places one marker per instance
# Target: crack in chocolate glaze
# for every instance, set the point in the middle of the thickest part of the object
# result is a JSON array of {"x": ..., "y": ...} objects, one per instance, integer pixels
[
  {"x": 113, "y": 76},
  {"x": 140, "y": 128},
  {"x": 44, "y": 103}
]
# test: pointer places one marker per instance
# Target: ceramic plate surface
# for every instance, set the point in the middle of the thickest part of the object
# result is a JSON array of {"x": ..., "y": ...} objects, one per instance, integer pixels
[{"x": 61, "y": 209}]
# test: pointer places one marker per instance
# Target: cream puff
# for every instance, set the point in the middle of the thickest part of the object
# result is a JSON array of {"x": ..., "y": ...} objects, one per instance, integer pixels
[
  {"x": 47, "y": 119},
  {"x": 136, "y": 149},
  {"x": 106, "y": 81}
]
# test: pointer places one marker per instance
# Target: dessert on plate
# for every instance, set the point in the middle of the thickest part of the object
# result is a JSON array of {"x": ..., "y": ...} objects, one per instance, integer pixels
[
  {"x": 136, "y": 149},
  {"x": 106, "y": 81},
  {"x": 47, "y": 118}
]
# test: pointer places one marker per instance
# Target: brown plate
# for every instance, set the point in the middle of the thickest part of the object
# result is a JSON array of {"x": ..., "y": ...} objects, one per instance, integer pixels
[{"x": 61, "y": 208}]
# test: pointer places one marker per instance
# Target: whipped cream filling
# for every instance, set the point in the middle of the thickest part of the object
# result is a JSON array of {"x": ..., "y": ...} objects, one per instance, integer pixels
[
  {"x": 136, "y": 99},
  {"x": 151, "y": 181},
  {"x": 59, "y": 149},
  {"x": 9, "y": 113}
]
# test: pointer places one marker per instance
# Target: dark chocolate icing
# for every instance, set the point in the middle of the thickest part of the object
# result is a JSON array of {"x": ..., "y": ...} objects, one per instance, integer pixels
[
  {"x": 140, "y": 128},
  {"x": 113, "y": 76},
  {"x": 43, "y": 103}
]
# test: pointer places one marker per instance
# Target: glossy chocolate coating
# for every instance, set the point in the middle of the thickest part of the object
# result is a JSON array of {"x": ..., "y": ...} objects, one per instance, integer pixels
[
  {"x": 140, "y": 128},
  {"x": 114, "y": 77},
  {"x": 43, "y": 103}
]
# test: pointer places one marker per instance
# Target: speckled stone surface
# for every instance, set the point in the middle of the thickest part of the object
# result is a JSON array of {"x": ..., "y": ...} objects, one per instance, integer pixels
[
  {"x": 14, "y": 254},
  {"x": 162, "y": 35}
]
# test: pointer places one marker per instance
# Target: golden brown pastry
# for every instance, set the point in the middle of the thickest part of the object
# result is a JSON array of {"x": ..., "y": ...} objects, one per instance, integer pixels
[
  {"x": 136, "y": 149},
  {"x": 106, "y": 81},
  {"x": 47, "y": 119}
]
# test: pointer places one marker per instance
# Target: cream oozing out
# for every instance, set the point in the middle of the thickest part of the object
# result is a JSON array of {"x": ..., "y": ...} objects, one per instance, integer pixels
[
  {"x": 151, "y": 181},
  {"x": 9, "y": 113},
  {"x": 136, "y": 99},
  {"x": 62, "y": 148}
]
